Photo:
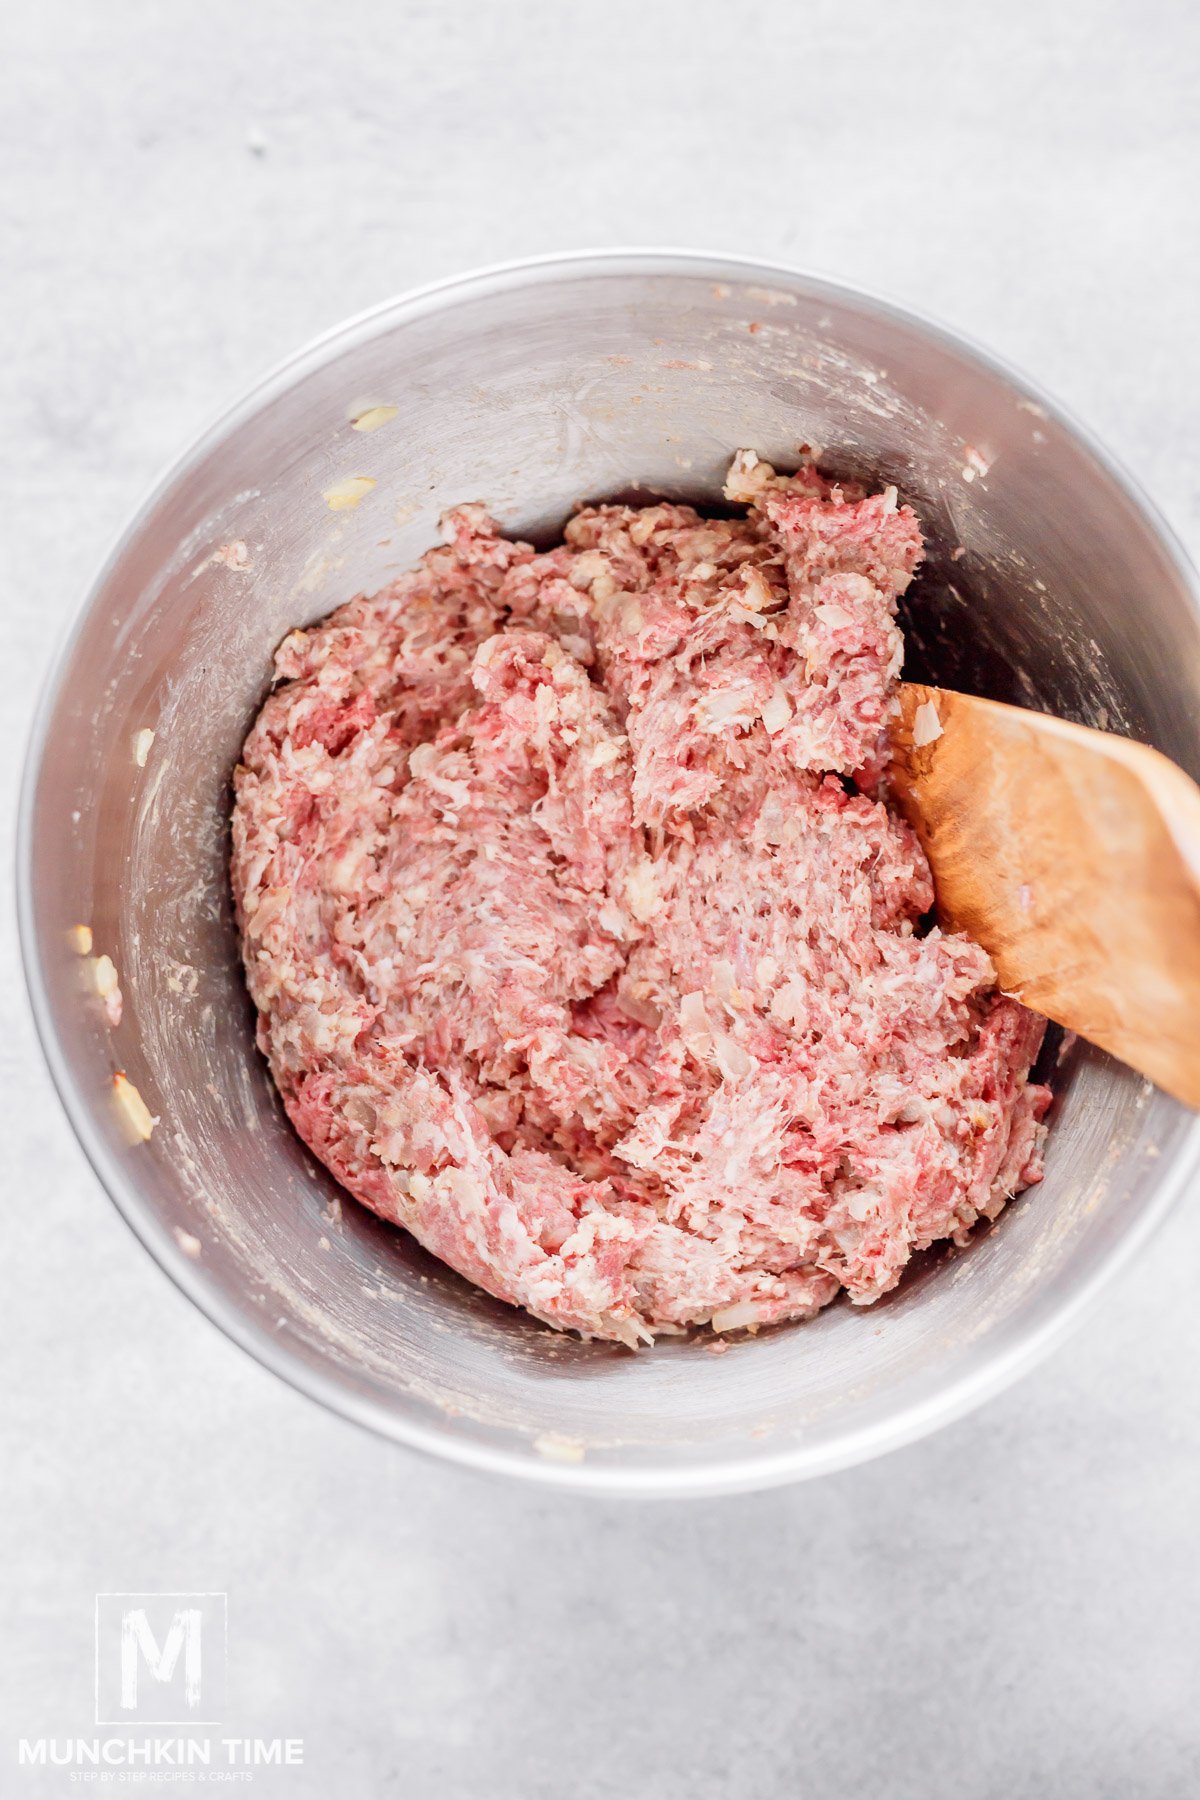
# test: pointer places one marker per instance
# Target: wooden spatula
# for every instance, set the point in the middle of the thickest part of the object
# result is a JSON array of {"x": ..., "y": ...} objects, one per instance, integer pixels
[{"x": 1073, "y": 857}]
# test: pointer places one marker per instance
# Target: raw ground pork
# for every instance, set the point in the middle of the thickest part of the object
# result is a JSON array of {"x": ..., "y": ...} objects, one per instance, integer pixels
[{"x": 580, "y": 946}]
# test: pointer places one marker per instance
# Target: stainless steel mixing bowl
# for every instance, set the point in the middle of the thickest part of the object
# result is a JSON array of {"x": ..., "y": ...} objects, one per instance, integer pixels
[{"x": 533, "y": 387}]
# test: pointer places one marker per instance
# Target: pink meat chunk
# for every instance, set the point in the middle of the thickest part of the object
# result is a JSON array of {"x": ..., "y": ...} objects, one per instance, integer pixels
[{"x": 582, "y": 943}]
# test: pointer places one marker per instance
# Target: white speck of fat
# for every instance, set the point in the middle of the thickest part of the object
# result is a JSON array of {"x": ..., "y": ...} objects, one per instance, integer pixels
[
  {"x": 233, "y": 555},
  {"x": 555, "y": 1446},
  {"x": 348, "y": 493},
  {"x": 103, "y": 972},
  {"x": 927, "y": 725},
  {"x": 141, "y": 746},
  {"x": 741, "y": 1316},
  {"x": 136, "y": 1119},
  {"x": 767, "y": 296},
  {"x": 104, "y": 976},
  {"x": 373, "y": 418}
]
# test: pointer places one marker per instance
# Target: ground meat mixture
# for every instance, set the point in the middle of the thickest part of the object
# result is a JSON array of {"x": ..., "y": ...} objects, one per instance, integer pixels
[{"x": 583, "y": 948}]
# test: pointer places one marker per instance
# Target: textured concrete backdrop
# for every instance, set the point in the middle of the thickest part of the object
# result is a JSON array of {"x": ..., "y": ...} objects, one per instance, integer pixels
[{"x": 189, "y": 189}]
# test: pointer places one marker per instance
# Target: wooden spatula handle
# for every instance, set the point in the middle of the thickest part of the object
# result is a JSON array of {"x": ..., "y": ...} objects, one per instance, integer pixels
[{"x": 1073, "y": 857}]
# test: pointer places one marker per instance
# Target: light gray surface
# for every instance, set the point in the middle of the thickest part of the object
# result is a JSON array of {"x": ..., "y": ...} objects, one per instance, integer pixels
[{"x": 1006, "y": 1609}]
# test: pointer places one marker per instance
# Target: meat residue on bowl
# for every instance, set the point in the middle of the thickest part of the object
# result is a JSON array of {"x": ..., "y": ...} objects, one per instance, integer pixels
[{"x": 583, "y": 942}]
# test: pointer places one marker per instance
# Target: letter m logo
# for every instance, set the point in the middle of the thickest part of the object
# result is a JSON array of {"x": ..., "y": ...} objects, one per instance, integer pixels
[{"x": 160, "y": 1658}]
